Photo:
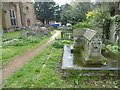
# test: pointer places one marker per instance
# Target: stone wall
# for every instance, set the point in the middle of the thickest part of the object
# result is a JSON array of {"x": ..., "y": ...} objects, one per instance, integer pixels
[
  {"x": 6, "y": 15},
  {"x": 30, "y": 14},
  {"x": 22, "y": 14},
  {"x": 0, "y": 15}
]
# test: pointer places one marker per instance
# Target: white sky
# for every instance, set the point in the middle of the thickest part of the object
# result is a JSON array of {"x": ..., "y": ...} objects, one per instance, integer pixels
[{"x": 61, "y": 2}]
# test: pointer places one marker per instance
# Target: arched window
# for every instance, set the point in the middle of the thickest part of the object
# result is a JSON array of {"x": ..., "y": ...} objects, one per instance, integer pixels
[{"x": 12, "y": 17}]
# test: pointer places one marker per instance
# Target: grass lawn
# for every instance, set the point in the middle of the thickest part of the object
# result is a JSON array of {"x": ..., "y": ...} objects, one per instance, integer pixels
[
  {"x": 43, "y": 71},
  {"x": 9, "y": 53},
  {"x": 11, "y": 35}
]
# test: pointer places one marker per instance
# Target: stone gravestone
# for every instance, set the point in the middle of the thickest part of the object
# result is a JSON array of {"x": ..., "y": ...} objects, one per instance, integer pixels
[
  {"x": 23, "y": 32},
  {"x": 78, "y": 39},
  {"x": 64, "y": 29},
  {"x": 41, "y": 32},
  {"x": 38, "y": 32}
]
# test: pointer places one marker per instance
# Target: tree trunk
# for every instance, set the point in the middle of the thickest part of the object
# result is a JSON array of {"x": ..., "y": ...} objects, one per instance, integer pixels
[{"x": 43, "y": 22}]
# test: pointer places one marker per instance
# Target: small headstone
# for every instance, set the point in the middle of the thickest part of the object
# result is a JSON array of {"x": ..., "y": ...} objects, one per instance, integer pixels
[
  {"x": 64, "y": 28},
  {"x": 23, "y": 32}
]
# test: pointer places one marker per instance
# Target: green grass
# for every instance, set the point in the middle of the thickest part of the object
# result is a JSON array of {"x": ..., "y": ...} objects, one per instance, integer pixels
[
  {"x": 34, "y": 74},
  {"x": 11, "y": 35},
  {"x": 42, "y": 72},
  {"x": 58, "y": 29},
  {"x": 59, "y": 37},
  {"x": 9, "y": 53},
  {"x": 52, "y": 32}
]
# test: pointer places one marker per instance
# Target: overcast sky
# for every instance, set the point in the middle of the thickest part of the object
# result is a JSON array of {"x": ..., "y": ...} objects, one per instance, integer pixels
[{"x": 61, "y": 2}]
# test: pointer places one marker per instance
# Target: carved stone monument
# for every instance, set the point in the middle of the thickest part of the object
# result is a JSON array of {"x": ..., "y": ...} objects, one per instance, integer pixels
[
  {"x": 85, "y": 54},
  {"x": 93, "y": 47}
]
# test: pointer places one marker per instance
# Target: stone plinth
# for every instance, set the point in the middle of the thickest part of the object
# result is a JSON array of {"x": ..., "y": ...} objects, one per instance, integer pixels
[{"x": 73, "y": 61}]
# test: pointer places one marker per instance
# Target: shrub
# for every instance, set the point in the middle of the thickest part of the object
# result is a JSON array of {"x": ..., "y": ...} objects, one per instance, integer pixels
[
  {"x": 21, "y": 42},
  {"x": 66, "y": 34},
  {"x": 114, "y": 49},
  {"x": 83, "y": 25},
  {"x": 98, "y": 16},
  {"x": 66, "y": 42},
  {"x": 90, "y": 15},
  {"x": 60, "y": 44}
]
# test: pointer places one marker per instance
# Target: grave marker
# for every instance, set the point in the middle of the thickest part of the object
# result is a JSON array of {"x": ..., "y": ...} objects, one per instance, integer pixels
[{"x": 23, "y": 32}]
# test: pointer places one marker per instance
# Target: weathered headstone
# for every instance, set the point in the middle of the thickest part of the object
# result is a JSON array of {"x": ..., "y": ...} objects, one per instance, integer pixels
[
  {"x": 66, "y": 34},
  {"x": 23, "y": 32},
  {"x": 64, "y": 28},
  {"x": 78, "y": 39},
  {"x": 78, "y": 42},
  {"x": 78, "y": 32},
  {"x": 38, "y": 31}
]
